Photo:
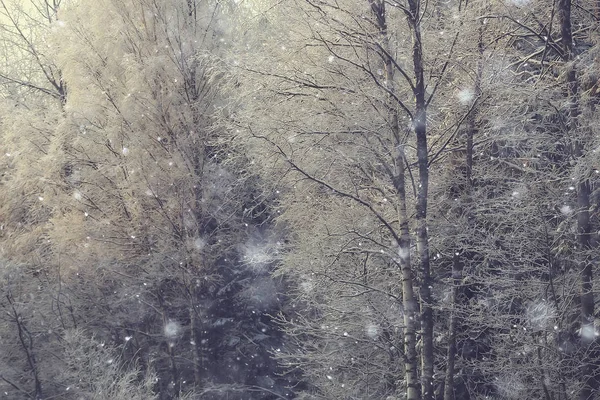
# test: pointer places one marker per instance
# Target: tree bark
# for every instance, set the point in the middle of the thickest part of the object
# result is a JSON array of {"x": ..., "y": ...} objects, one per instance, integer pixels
[
  {"x": 26, "y": 341},
  {"x": 462, "y": 253},
  {"x": 451, "y": 354},
  {"x": 410, "y": 306},
  {"x": 196, "y": 339},
  {"x": 587, "y": 331},
  {"x": 413, "y": 392},
  {"x": 420, "y": 128}
]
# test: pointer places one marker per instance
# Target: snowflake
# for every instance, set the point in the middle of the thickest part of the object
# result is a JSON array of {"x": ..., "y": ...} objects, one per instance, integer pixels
[
  {"x": 172, "y": 329},
  {"x": 566, "y": 210},
  {"x": 466, "y": 96},
  {"x": 403, "y": 252},
  {"x": 372, "y": 330}
]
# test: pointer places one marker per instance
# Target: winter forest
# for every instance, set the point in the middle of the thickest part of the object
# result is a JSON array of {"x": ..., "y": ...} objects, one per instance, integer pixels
[{"x": 299, "y": 199}]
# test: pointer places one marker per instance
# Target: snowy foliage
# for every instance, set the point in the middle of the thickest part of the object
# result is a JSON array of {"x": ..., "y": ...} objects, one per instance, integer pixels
[
  {"x": 95, "y": 372},
  {"x": 510, "y": 386}
]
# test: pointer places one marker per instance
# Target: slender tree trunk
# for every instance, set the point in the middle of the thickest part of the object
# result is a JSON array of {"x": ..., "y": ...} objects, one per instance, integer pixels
[
  {"x": 589, "y": 369},
  {"x": 543, "y": 376},
  {"x": 420, "y": 127},
  {"x": 171, "y": 351},
  {"x": 409, "y": 301},
  {"x": 462, "y": 253},
  {"x": 26, "y": 341},
  {"x": 588, "y": 331},
  {"x": 195, "y": 336},
  {"x": 454, "y": 319}
]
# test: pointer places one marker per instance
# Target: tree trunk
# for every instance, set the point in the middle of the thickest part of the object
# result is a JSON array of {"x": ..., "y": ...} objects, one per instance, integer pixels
[
  {"x": 26, "y": 340},
  {"x": 174, "y": 384},
  {"x": 587, "y": 331},
  {"x": 467, "y": 210},
  {"x": 451, "y": 355},
  {"x": 409, "y": 301},
  {"x": 420, "y": 127},
  {"x": 195, "y": 336}
]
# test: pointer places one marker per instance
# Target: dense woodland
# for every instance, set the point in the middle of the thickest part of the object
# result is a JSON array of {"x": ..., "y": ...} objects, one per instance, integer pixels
[{"x": 309, "y": 199}]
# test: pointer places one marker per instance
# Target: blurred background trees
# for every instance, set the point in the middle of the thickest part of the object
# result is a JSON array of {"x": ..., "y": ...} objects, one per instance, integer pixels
[{"x": 132, "y": 222}]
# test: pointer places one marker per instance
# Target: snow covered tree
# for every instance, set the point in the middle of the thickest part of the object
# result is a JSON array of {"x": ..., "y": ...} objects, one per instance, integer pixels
[
  {"x": 520, "y": 274},
  {"x": 94, "y": 370},
  {"x": 331, "y": 116},
  {"x": 27, "y": 64},
  {"x": 141, "y": 215}
]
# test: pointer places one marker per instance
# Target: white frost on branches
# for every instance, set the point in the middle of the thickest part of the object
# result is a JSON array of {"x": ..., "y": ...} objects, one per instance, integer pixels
[
  {"x": 510, "y": 387},
  {"x": 541, "y": 315}
]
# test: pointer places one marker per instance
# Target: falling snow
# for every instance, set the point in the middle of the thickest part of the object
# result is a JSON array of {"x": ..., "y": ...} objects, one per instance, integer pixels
[
  {"x": 403, "y": 252},
  {"x": 588, "y": 332},
  {"x": 566, "y": 210},
  {"x": 372, "y": 330},
  {"x": 307, "y": 285},
  {"x": 172, "y": 329},
  {"x": 466, "y": 96}
]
